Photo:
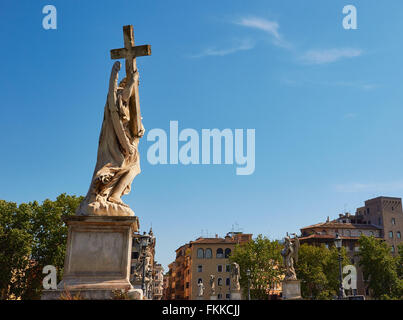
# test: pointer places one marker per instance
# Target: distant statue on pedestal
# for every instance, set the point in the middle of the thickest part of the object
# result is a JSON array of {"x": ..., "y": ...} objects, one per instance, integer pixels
[
  {"x": 235, "y": 276},
  {"x": 212, "y": 285},
  {"x": 290, "y": 256},
  {"x": 200, "y": 286},
  {"x": 291, "y": 287}
]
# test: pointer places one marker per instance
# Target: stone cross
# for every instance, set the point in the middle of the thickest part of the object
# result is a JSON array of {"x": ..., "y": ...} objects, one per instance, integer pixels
[{"x": 129, "y": 53}]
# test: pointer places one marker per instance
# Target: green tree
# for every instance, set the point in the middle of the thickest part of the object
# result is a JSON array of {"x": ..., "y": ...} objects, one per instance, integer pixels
[
  {"x": 263, "y": 258},
  {"x": 400, "y": 261},
  {"x": 31, "y": 237},
  {"x": 15, "y": 248},
  {"x": 318, "y": 270},
  {"x": 380, "y": 268}
]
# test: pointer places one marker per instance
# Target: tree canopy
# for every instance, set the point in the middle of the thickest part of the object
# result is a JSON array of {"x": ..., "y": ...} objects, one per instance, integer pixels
[
  {"x": 381, "y": 269},
  {"x": 32, "y": 235},
  {"x": 318, "y": 271},
  {"x": 263, "y": 258}
]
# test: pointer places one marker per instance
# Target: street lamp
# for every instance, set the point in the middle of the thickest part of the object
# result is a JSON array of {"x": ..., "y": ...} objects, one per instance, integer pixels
[
  {"x": 338, "y": 243},
  {"x": 144, "y": 244},
  {"x": 248, "y": 275}
]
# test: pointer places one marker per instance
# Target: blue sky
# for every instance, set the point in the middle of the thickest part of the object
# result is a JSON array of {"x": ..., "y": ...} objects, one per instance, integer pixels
[{"x": 326, "y": 104}]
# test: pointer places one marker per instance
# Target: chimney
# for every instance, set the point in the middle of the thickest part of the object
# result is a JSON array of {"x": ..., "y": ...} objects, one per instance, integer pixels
[{"x": 216, "y": 235}]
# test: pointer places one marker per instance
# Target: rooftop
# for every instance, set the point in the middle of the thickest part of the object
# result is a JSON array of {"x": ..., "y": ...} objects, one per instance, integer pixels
[{"x": 341, "y": 225}]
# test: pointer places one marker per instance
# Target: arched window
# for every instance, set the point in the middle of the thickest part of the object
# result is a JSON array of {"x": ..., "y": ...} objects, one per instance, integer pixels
[
  {"x": 348, "y": 233},
  {"x": 219, "y": 253},
  {"x": 209, "y": 253},
  {"x": 200, "y": 280},
  {"x": 227, "y": 252},
  {"x": 200, "y": 253},
  {"x": 227, "y": 281},
  {"x": 219, "y": 281}
]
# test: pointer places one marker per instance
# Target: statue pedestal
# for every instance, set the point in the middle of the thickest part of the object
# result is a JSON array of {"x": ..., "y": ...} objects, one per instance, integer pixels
[
  {"x": 98, "y": 257},
  {"x": 291, "y": 289},
  {"x": 236, "y": 296},
  {"x": 213, "y": 297},
  {"x": 199, "y": 298}
]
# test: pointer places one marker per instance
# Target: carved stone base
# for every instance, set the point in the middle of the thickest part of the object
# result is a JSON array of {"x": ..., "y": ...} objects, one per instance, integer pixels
[
  {"x": 213, "y": 297},
  {"x": 291, "y": 289},
  {"x": 97, "y": 257},
  {"x": 236, "y": 296}
]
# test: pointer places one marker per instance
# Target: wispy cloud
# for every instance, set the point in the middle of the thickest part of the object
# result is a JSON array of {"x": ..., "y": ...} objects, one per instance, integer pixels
[
  {"x": 242, "y": 45},
  {"x": 376, "y": 188},
  {"x": 268, "y": 26},
  {"x": 329, "y": 55}
]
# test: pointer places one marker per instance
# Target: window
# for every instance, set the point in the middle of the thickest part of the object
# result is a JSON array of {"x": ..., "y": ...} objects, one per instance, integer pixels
[
  {"x": 398, "y": 235},
  {"x": 200, "y": 268},
  {"x": 199, "y": 280},
  {"x": 200, "y": 253},
  {"x": 135, "y": 255},
  {"x": 219, "y": 296},
  {"x": 187, "y": 285},
  {"x": 390, "y": 234},
  {"x": 379, "y": 221},
  {"x": 227, "y": 252},
  {"x": 219, "y": 253},
  {"x": 219, "y": 281},
  {"x": 227, "y": 281},
  {"x": 227, "y": 268},
  {"x": 393, "y": 249},
  {"x": 393, "y": 221},
  {"x": 131, "y": 269},
  {"x": 367, "y": 210},
  {"x": 219, "y": 268},
  {"x": 227, "y": 296},
  {"x": 209, "y": 253},
  {"x": 348, "y": 233}
]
